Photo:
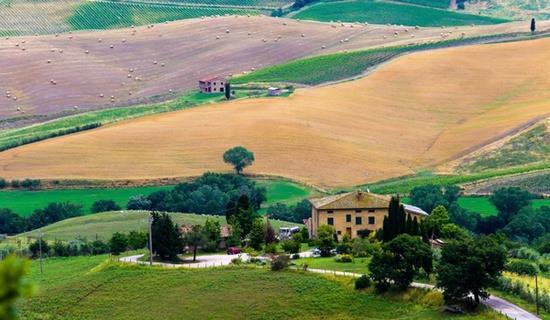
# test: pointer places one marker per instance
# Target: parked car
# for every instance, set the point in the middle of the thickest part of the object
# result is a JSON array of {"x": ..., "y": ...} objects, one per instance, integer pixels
[
  {"x": 316, "y": 252},
  {"x": 233, "y": 250}
]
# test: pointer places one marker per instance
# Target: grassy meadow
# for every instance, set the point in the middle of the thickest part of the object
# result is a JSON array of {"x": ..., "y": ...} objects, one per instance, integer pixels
[
  {"x": 441, "y": 4},
  {"x": 24, "y": 202},
  {"x": 103, "y": 225},
  {"x": 380, "y": 12},
  {"x": 358, "y": 265},
  {"x": 89, "y": 288}
]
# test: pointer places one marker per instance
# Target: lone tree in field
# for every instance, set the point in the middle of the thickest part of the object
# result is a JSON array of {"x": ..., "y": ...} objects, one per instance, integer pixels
[
  {"x": 533, "y": 25},
  {"x": 239, "y": 157},
  {"x": 167, "y": 240}
]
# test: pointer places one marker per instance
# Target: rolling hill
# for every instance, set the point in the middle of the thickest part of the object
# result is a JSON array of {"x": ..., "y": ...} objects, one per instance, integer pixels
[
  {"x": 73, "y": 73},
  {"x": 103, "y": 225},
  {"x": 404, "y": 117}
]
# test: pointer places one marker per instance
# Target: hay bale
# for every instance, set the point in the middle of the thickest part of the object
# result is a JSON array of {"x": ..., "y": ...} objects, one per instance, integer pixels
[
  {"x": 101, "y": 95},
  {"x": 162, "y": 64},
  {"x": 60, "y": 50},
  {"x": 111, "y": 46},
  {"x": 86, "y": 52},
  {"x": 227, "y": 31},
  {"x": 99, "y": 40}
]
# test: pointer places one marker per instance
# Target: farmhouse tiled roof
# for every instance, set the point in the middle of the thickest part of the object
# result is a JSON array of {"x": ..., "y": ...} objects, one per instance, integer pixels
[
  {"x": 211, "y": 78},
  {"x": 351, "y": 200},
  {"x": 359, "y": 200}
]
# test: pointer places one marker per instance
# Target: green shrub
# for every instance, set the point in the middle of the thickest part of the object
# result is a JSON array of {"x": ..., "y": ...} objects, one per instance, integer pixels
[
  {"x": 343, "y": 258},
  {"x": 522, "y": 267},
  {"x": 279, "y": 262},
  {"x": 15, "y": 184},
  {"x": 544, "y": 267},
  {"x": 363, "y": 282},
  {"x": 3, "y": 183},
  {"x": 30, "y": 184},
  {"x": 525, "y": 253},
  {"x": 295, "y": 256},
  {"x": 270, "y": 248},
  {"x": 291, "y": 246},
  {"x": 104, "y": 205}
]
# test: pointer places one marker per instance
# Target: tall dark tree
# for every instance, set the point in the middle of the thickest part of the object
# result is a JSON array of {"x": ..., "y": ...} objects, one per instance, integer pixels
[
  {"x": 400, "y": 261},
  {"x": 227, "y": 90},
  {"x": 239, "y": 157},
  {"x": 243, "y": 213},
  {"x": 10, "y": 222},
  {"x": 118, "y": 243},
  {"x": 395, "y": 223},
  {"x": 470, "y": 267},
  {"x": 533, "y": 25},
  {"x": 269, "y": 233},
  {"x": 167, "y": 240}
]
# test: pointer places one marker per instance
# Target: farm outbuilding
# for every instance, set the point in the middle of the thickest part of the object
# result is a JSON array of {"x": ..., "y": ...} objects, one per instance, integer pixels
[
  {"x": 212, "y": 84},
  {"x": 274, "y": 91}
]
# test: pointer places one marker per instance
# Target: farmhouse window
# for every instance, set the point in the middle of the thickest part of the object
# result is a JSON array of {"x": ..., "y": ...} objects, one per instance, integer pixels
[
  {"x": 371, "y": 210},
  {"x": 339, "y": 232},
  {"x": 372, "y": 220},
  {"x": 330, "y": 221},
  {"x": 358, "y": 211},
  {"x": 348, "y": 217},
  {"x": 330, "y": 211},
  {"x": 358, "y": 220}
]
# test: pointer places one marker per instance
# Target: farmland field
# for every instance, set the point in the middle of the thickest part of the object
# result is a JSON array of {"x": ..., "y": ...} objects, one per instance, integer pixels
[
  {"x": 103, "y": 225},
  {"x": 25, "y": 202},
  {"x": 536, "y": 182},
  {"x": 221, "y": 293},
  {"x": 86, "y": 71},
  {"x": 112, "y": 14},
  {"x": 427, "y": 121},
  {"x": 378, "y": 12},
  {"x": 441, "y": 4}
]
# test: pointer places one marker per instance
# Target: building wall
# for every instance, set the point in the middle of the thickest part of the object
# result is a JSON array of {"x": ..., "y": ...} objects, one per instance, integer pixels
[{"x": 341, "y": 225}]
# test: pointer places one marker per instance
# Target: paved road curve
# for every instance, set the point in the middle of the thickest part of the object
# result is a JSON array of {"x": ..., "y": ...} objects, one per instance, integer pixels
[{"x": 500, "y": 305}]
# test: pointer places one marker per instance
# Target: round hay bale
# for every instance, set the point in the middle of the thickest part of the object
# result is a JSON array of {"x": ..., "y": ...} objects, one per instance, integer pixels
[
  {"x": 155, "y": 62},
  {"x": 227, "y": 31},
  {"x": 87, "y": 51},
  {"x": 101, "y": 95},
  {"x": 129, "y": 93},
  {"x": 129, "y": 76},
  {"x": 99, "y": 40},
  {"x": 14, "y": 98},
  {"x": 75, "y": 107},
  {"x": 111, "y": 46},
  {"x": 323, "y": 47},
  {"x": 60, "y": 50},
  {"x": 131, "y": 70},
  {"x": 123, "y": 40},
  {"x": 162, "y": 64},
  {"x": 217, "y": 37},
  {"x": 23, "y": 41},
  {"x": 302, "y": 35}
]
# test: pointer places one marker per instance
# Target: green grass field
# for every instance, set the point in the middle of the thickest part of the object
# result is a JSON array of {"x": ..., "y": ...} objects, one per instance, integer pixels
[
  {"x": 85, "y": 288},
  {"x": 440, "y": 4},
  {"x": 283, "y": 191},
  {"x": 113, "y": 14},
  {"x": 379, "y": 12},
  {"x": 103, "y": 225},
  {"x": 358, "y": 265},
  {"x": 25, "y": 202}
]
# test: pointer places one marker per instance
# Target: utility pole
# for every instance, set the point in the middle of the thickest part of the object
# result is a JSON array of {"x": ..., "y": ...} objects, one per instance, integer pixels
[
  {"x": 150, "y": 240},
  {"x": 40, "y": 250},
  {"x": 537, "y": 292}
]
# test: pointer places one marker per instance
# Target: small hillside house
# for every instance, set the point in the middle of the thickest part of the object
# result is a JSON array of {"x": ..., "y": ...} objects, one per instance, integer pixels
[
  {"x": 352, "y": 212},
  {"x": 212, "y": 84}
]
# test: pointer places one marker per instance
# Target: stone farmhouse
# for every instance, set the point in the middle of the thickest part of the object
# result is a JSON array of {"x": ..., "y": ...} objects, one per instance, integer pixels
[{"x": 350, "y": 213}]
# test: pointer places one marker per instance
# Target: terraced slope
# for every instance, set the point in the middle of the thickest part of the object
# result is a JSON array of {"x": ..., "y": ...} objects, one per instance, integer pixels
[{"x": 417, "y": 111}]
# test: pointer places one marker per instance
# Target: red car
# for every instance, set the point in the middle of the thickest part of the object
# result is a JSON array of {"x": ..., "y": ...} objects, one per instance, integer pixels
[{"x": 233, "y": 250}]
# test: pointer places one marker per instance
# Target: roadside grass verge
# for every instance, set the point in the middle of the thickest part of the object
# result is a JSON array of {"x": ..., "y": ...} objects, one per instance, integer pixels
[
  {"x": 380, "y": 12},
  {"x": 74, "y": 288},
  {"x": 344, "y": 65}
]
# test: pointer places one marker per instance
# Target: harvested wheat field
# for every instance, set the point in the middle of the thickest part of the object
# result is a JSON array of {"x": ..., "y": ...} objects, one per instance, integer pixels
[
  {"x": 50, "y": 75},
  {"x": 418, "y": 111}
]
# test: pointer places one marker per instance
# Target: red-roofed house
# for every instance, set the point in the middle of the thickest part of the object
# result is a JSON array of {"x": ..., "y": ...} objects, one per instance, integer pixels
[{"x": 214, "y": 84}]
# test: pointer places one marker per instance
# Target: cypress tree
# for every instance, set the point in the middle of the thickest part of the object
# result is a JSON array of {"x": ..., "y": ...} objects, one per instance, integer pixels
[
  {"x": 409, "y": 225},
  {"x": 415, "y": 227},
  {"x": 533, "y": 25},
  {"x": 402, "y": 221}
]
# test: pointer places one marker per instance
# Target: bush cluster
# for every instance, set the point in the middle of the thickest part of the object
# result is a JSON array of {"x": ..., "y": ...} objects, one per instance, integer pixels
[
  {"x": 280, "y": 262},
  {"x": 363, "y": 282},
  {"x": 522, "y": 267},
  {"x": 343, "y": 258}
]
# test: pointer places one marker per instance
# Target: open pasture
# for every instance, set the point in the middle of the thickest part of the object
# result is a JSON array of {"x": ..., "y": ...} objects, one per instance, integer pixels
[
  {"x": 404, "y": 117},
  {"x": 382, "y": 12},
  {"x": 52, "y": 76}
]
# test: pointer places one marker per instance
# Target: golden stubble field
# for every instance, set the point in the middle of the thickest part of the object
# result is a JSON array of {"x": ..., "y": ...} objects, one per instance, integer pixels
[
  {"x": 50, "y": 75},
  {"x": 417, "y": 111}
]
